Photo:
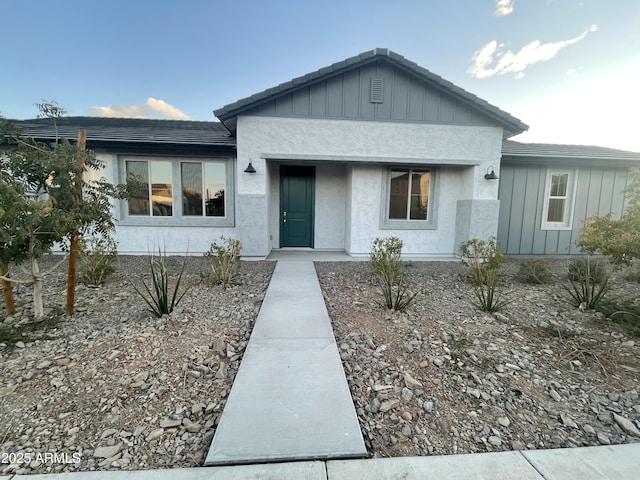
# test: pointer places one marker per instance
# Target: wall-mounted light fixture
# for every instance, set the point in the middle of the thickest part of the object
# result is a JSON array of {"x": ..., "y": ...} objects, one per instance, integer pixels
[
  {"x": 249, "y": 168},
  {"x": 491, "y": 174}
]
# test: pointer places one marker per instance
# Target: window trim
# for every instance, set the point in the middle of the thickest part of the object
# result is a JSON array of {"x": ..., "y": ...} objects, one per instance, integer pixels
[
  {"x": 395, "y": 224},
  {"x": 572, "y": 181},
  {"x": 177, "y": 219}
]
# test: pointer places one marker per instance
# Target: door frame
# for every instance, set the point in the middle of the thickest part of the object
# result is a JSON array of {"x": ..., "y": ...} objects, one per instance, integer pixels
[{"x": 304, "y": 171}]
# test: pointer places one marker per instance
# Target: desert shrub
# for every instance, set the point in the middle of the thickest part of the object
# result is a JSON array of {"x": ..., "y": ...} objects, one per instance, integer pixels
[
  {"x": 481, "y": 256},
  {"x": 97, "y": 256},
  {"x": 535, "y": 271},
  {"x": 224, "y": 261},
  {"x": 557, "y": 331},
  {"x": 485, "y": 258},
  {"x": 489, "y": 294},
  {"x": 623, "y": 312},
  {"x": 619, "y": 240},
  {"x": 633, "y": 273},
  {"x": 386, "y": 263},
  {"x": 597, "y": 268},
  {"x": 589, "y": 283},
  {"x": 158, "y": 294}
]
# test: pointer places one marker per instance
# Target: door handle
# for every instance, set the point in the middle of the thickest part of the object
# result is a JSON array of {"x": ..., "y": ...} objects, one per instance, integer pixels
[{"x": 284, "y": 217}]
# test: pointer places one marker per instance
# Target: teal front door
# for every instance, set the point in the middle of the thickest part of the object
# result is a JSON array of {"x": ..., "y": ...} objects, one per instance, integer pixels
[{"x": 297, "y": 186}]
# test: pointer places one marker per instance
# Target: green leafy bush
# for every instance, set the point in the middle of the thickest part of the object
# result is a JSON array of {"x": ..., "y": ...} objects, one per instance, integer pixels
[
  {"x": 619, "y": 240},
  {"x": 588, "y": 286},
  {"x": 535, "y": 271},
  {"x": 158, "y": 295},
  {"x": 97, "y": 255},
  {"x": 386, "y": 262},
  {"x": 224, "y": 261},
  {"x": 485, "y": 258}
]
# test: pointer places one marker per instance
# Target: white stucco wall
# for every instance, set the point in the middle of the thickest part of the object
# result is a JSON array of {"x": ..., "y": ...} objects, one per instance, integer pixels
[
  {"x": 366, "y": 195},
  {"x": 140, "y": 240},
  {"x": 463, "y": 155}
]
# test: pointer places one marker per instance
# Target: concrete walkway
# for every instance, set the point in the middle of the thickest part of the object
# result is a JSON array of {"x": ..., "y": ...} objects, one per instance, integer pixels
[{"x": 290, "y": 399}]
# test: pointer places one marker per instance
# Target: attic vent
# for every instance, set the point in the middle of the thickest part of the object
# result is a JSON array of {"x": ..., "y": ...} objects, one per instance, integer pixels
[{"x": 376, "y": 90}]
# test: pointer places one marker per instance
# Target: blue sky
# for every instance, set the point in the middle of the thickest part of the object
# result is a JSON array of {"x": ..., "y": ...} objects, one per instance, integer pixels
[{"x": 568, "y": 68}]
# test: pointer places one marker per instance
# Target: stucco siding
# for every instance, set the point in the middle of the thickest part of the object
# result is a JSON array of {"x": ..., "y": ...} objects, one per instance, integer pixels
[
  {"x": 141, "y": 240},
  {"x": 398, "y": 142},
  {"x": 366, "y": 200},
  {"x": 598, "y": 191},
  {"x": 330, "y": 207},
  {"x": 348, "y": 198}
]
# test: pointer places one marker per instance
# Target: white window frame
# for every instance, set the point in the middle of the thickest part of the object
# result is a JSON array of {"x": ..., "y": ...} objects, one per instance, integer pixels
[
  {"x": 387, "y": 223},
  {"x": 570, "y": 200},
  {"x": 177, "y": 219}
]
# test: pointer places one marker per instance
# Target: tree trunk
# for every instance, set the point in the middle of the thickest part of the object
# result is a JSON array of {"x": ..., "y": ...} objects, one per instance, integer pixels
[
  {"x": 7, "y": 289},
  {"x": 73, "y": 251},
  {"x": 38, "y": 308}
]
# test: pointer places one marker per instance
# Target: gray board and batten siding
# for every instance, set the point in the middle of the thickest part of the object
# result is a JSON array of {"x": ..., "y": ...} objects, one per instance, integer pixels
[
  {"x": 374, "y": 85},
  {"x": 348, "y": 96},
  {"x": 598, "y": 191}
]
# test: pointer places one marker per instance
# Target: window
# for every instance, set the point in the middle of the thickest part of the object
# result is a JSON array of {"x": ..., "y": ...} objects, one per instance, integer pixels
[
  {"x": 203, "y": 186},
  {"x": 409, "y": 198},
  {"x": 558, "y": 208},
  {"x": 151, "y": 188},
  {"x": 180, "y": 191}
]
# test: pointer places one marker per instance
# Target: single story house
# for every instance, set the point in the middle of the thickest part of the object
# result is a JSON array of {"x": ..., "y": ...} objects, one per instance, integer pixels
[{"x": 368, "y": 147}]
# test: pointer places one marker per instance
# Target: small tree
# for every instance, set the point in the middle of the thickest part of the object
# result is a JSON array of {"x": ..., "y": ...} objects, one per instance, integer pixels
[
  {"x": 39, "y": 185},
  {"x": 617, "y": 239}
]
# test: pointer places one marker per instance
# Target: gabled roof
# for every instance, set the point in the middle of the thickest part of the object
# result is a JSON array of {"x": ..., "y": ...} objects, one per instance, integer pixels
[
  {"x": 137, "y": 132},
  {"x": 511, "y": 148},
  {"x": 228, "y": 113}
]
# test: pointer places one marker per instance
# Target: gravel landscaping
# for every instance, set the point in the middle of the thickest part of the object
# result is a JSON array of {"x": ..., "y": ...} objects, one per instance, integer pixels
[
  {"x": 446, "y": 378},
  {"x": 114, "y": 388}
]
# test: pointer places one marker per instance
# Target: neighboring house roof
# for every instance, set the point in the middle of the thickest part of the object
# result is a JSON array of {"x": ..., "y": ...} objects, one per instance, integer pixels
[
  {"x": 228, "y": 113},
  {"x": 538, "y": 153},
  {"x": 133, "y": 133}
]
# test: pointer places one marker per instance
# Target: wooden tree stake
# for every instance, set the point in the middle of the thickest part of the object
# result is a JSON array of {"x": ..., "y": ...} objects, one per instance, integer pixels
[
  {"x": 73, "y": 248},
  {"x": 7, "y": 289}
]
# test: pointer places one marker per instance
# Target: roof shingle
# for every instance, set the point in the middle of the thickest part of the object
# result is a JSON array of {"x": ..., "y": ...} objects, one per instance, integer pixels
[{"x": 131, "y": 131}]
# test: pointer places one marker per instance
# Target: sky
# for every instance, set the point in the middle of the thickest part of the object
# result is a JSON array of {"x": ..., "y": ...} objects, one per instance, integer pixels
[{"x": 570, "y": 69}]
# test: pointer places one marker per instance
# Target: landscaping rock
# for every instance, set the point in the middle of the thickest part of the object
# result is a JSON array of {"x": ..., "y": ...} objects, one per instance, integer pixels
[
  {"x": 111, "y": 382},
  {"x": 487, "y": 382}
]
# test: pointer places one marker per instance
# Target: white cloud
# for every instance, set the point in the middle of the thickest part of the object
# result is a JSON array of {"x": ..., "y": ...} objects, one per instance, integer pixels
[
  {"x": 165, "y": 110},
  {"x": 152, "y": 108},
  {"x": 503, "y": 7},
  {"x": 492, "y": 60}
]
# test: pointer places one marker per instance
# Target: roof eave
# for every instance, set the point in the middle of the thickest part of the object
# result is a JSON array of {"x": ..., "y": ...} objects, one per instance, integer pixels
[{"x": 512, "y": 126}]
